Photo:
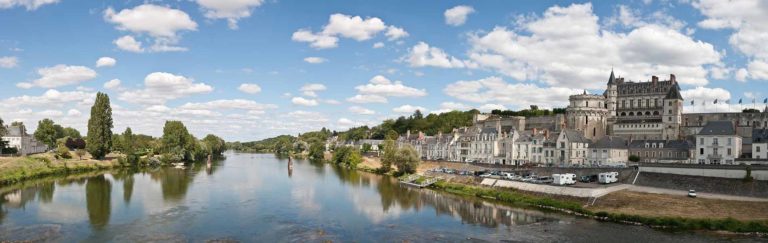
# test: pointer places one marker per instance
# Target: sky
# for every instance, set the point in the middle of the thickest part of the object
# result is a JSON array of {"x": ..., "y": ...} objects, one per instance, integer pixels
[{"x": 251, "y": 69}]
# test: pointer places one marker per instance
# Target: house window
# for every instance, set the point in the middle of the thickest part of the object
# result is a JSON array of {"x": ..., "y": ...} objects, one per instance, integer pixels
[
  {"x": 729, "y": 151},
  {"x": 757, "y": 149},
  {"x": 729, "y": 141},
  {"x": 701, "y": 141},
  {"x": 701, "y": 151}
]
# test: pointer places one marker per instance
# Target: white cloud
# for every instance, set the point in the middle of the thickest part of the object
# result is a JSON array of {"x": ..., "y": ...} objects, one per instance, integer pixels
[
  {"x": 51, "y": 98},
  {"x": 50, "y": 113},
  {"x": 60, "y": 75},
  {"x": 378, "y": 45},
  {"x": 758, "y": 69},
  {"x": 361, "y": 110},
  {"x": 703, "y": 99},
  {"x": 28, "y": 4},
  {"x": 303, "y": 101},
  {"x": 346, "y": 122},
  {"x": 361, "y": 99},
  {"x": 394, "y": 33},
  {"x": 409, "y": 109},
  {"x": 381, "y": 86},
  {"x": 106, "y": 62},
  {"x": 249, "y": 88},
  {"x": 490, "y": 107},
  {"x": 451, "y": 106},
  {"x": 332, "y": 102},
  {"x": 353, "y": 27},
  {"x": 422, "y": 55},
  {"x": 160, "y": 87},
  {"x": 236, "y": 104},
  {"x": 741, "y": 75},
  {"x": 232, "y": 10},
  {"x": 128, "y": 43},
  {"x": 312, "y": 89},
  {"x": 9, "y": 62},
  {"x": 457, "y": 16},
  {"x": 112, "y": 84},
  {"x": 579, "y": 57},
  {"x": 160, "y": 22},
  {"x": 74, "y": 112},
  {"x": 315, "y": 60},
  {"x": 494, "y": 89}
]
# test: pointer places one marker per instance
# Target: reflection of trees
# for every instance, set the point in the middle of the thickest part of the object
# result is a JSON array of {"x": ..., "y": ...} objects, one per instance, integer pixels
[
  {"x": 46, "y": 191},
  {"x": 98, "y": 191},
  {"x": 173, "y": 182},
  {"x": 126, "y": 177}
]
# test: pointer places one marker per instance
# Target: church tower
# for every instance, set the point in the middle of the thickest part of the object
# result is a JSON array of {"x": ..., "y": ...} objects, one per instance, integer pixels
[{"x": 673, "y": 111}]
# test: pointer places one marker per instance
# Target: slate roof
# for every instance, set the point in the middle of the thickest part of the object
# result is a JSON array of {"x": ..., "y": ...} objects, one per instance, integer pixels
[
  {"x": 718, "y": 128},
  {"x": 612, "y": 79},
  {"x": 674, "y": 93},
  {"x": 489, "y": 130},
  {"x": 760, "y": 135},
  {"x": 15, "y": 131},
  {"x": 575, "y": 136},
  {"x": 611, "y": 142},
  {"x": 668, "y": 144}
]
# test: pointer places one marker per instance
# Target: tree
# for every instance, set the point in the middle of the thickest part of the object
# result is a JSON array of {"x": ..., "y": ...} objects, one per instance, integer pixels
[
  {"x": 178, "y": 143},
  {"x": 407, "y": 160},
  {"x": 72, "y": 133},
  {"x": 347, "y": 156},
  {"x": 317, "y": 151},
  {"x": 76, "y": 143},
  {"x": 46, "y": 132},
  {"x": 634, "y": 158},
  {"x": 62, "y": 151},
  {"x": 366, "y": 148},
  {"x": 213, "y": 145},
  {"x": 388, "y": 156},
  {"x": 127, "y": 141},
  {"x": 99, "y": 140},
  {"x": 3, "y": 143}
]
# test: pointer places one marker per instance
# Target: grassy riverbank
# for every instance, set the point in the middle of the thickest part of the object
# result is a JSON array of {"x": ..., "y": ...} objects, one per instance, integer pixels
[
  {"x": 576, "y": 208},
  {"x": 16, "y": 169}
]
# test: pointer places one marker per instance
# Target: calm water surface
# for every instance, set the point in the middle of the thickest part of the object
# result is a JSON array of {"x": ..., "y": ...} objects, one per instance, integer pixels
[{"x": 255, "y": 198}]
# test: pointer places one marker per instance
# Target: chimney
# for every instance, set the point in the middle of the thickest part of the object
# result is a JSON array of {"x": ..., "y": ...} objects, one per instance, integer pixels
[
  {"x": 654, "y": 79},
  {"x": 672, "y": 78},
  {"x": 535, "y": 131}
]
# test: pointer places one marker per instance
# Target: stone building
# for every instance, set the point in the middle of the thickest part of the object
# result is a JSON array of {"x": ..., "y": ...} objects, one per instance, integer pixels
[
  {"x": 644, "y": 110},
  {"x": 717, "y": 143},
  {"x": 745, "y": 124},
  {"x": 662, "y": 151},
  {"x": 588, "y": 114},
  {"x": 18, "y": 138},
  {"x": 760, "y": 143},
  {"x": 608, "y": 150}
]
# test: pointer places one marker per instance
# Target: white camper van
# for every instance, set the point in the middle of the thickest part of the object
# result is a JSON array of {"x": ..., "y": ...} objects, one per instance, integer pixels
[
  {"x": 564, "y": 179},
  {"x": 608, "y": 177}
]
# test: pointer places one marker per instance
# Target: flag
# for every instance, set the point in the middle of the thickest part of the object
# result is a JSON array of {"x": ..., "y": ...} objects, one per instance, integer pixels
[
  {"x": 765, "y": 101},
  {"x": 728, "y": 102},
  {"x": 691, "y": 102},
  {"x": 739, "y": 101},
  {"x": 715, "y": 101}
]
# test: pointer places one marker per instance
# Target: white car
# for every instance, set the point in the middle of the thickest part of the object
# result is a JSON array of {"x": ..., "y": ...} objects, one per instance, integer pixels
[
  {"x": 486, "y": 175},
  {"x": 692, "y": 193}
]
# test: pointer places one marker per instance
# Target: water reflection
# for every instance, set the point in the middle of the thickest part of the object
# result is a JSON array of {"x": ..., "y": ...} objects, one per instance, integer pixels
[{"x": 98, "y": 191}]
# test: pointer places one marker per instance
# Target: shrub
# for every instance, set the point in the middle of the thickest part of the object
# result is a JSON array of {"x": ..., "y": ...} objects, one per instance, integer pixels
[{"x": 63, "y": 152}]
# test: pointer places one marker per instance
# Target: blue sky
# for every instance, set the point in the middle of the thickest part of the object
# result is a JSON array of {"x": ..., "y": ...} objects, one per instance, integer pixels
[{"x": 251, "y": 69}]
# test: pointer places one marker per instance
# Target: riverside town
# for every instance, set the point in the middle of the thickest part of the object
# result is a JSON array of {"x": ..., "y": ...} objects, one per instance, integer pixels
[{"x": 383, "y": 121}]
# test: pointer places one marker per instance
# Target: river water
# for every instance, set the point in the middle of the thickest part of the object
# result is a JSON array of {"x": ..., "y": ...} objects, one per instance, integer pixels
[{"x": 255, "y": 198}]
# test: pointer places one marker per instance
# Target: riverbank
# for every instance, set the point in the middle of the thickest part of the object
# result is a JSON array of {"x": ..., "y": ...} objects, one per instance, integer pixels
[
  {"x": 17, "y": 169},
  {"x": 659, "y": 219}
]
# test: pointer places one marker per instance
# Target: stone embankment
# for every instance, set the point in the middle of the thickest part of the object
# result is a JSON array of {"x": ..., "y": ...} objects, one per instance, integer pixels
[{"x": 556, "y": 190}]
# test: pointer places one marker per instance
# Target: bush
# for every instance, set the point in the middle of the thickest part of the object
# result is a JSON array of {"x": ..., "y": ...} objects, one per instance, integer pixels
[
  {"x": 62, "y": 152},
  {"x": 634, "y": 158},
  {"x": 407, "y": 160},
  {"x": 347, "y": 156}
]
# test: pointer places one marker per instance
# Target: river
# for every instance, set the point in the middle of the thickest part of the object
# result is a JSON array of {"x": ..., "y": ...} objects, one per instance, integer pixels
[{"x": 255, "y": 198}]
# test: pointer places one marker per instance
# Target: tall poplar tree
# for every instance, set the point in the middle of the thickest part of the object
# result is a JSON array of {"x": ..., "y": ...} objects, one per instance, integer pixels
[{"x": 99, "y": 140}]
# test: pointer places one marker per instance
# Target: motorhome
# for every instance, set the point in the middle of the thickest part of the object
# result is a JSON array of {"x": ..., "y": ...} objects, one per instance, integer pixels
[
  {"x": 608, "y": 177},
  {"x": 564, "y": 179}
]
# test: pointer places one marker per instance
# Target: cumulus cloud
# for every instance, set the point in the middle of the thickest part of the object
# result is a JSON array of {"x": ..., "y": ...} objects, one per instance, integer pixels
[
  {"x": 379, "y": 87},
  {"x": 579, "y": 57},
  {"x": 303, "y": 101},
  {"x": 495, "y": 89},
  {"x": 112, "y": 84},
  {"x": 235, "y": 104},
  {"x": 422, "y": 55},
  {"x": 378, "y": 45},
  {"x": 451, "y": 106},
  {"x": 312, "y": 89},
  {"x": 249, "y": 88},
  {"x": 361, "y": 110},
  {"x": 128, "y": 43},
  {"x": 160, "y": 22},
  {"x": 703, "y": 99},
  {"x": 457, "y": 16},
  {"x": 409, "y": 109},
  {"x": 490, "y": 107},
  {"x": 106, "y": 62},
  {"x": 28, "y": 4},
  {"x": 9, "y": 62},
  {"x": 60, "y": 75},
  {"x": 74, "y": 112},
  {"x": 231, "y": 10},
  {"x": 160, "y": 87},
  {"x": 315, "y": 60},
  {"x": 353, "y": 27}
]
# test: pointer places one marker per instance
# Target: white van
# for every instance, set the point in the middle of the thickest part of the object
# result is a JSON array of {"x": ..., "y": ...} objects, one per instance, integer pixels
[
  {"x": 564, "y": 179},
  {"x": 608, "y": 177}
]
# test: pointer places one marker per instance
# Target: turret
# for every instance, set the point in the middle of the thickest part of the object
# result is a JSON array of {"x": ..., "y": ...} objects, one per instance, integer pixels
[{"x": 672, "y": 113}]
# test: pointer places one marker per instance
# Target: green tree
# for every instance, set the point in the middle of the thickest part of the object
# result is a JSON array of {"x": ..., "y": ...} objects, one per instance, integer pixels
[
  {"x": 72, "y": 133},
  {"x": 388, "y": 156},
  {"x": 634, "y": 158},
  {"x": 317, "y": 151},
  {"x": 99, "y": 140},
  {"x": 366, "y": 148},
  {"x": 407, "y": 160},
  {"x": 3, "y": 143},
  {"x": 347, "y": 156},
  {"x": 178, "y": 143},
  {"x": 62, "y": 151},
  {"x": 213, "y": 145},
  {"x": 46, "y": 132}
]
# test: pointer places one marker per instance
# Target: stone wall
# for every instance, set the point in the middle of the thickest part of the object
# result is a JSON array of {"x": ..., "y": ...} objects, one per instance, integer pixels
[
  {"x": 735, "y": 187},
  {"x": 719, "y": 171}
]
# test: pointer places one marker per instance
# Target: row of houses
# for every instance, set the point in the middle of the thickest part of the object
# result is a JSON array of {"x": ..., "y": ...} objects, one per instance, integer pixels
[{"x": 16, "y": 136}]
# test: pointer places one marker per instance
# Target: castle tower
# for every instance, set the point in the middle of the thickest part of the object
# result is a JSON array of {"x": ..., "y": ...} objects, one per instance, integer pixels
[
  {"x": 587, "y": 113},
  {"x": 611, "y": 95},
  {"x": 673, "y": 111}
]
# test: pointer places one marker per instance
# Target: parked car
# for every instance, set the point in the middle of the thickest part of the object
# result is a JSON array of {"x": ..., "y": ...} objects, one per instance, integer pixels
[
  {"x": 543, "y": 180},
  {"x": 450, "y": 171},
  {"x": 486, "y": 175},
  {"x": 692, "y": 193}
]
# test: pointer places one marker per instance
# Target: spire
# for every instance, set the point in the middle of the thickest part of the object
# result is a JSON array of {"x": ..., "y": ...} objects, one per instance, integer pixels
[
  {"x": 585, "y": 91},
  {"x": 674, "y": 93},
  {"x": 611, "y": 80}
]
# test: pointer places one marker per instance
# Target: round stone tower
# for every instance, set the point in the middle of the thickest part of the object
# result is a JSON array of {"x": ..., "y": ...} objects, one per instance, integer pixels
[{"x": 587, "y": 113}]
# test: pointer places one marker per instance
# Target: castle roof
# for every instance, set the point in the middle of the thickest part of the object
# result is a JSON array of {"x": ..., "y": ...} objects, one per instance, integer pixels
[
  {"x": 668, "y": 144},
  {"x": 718, "y": 128},
  {"x": 611, "y": 142},
  {"x": 760, "y": 135},
  {"x": 612, "y": 79},
  {"x": 674, "y": 93}
]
